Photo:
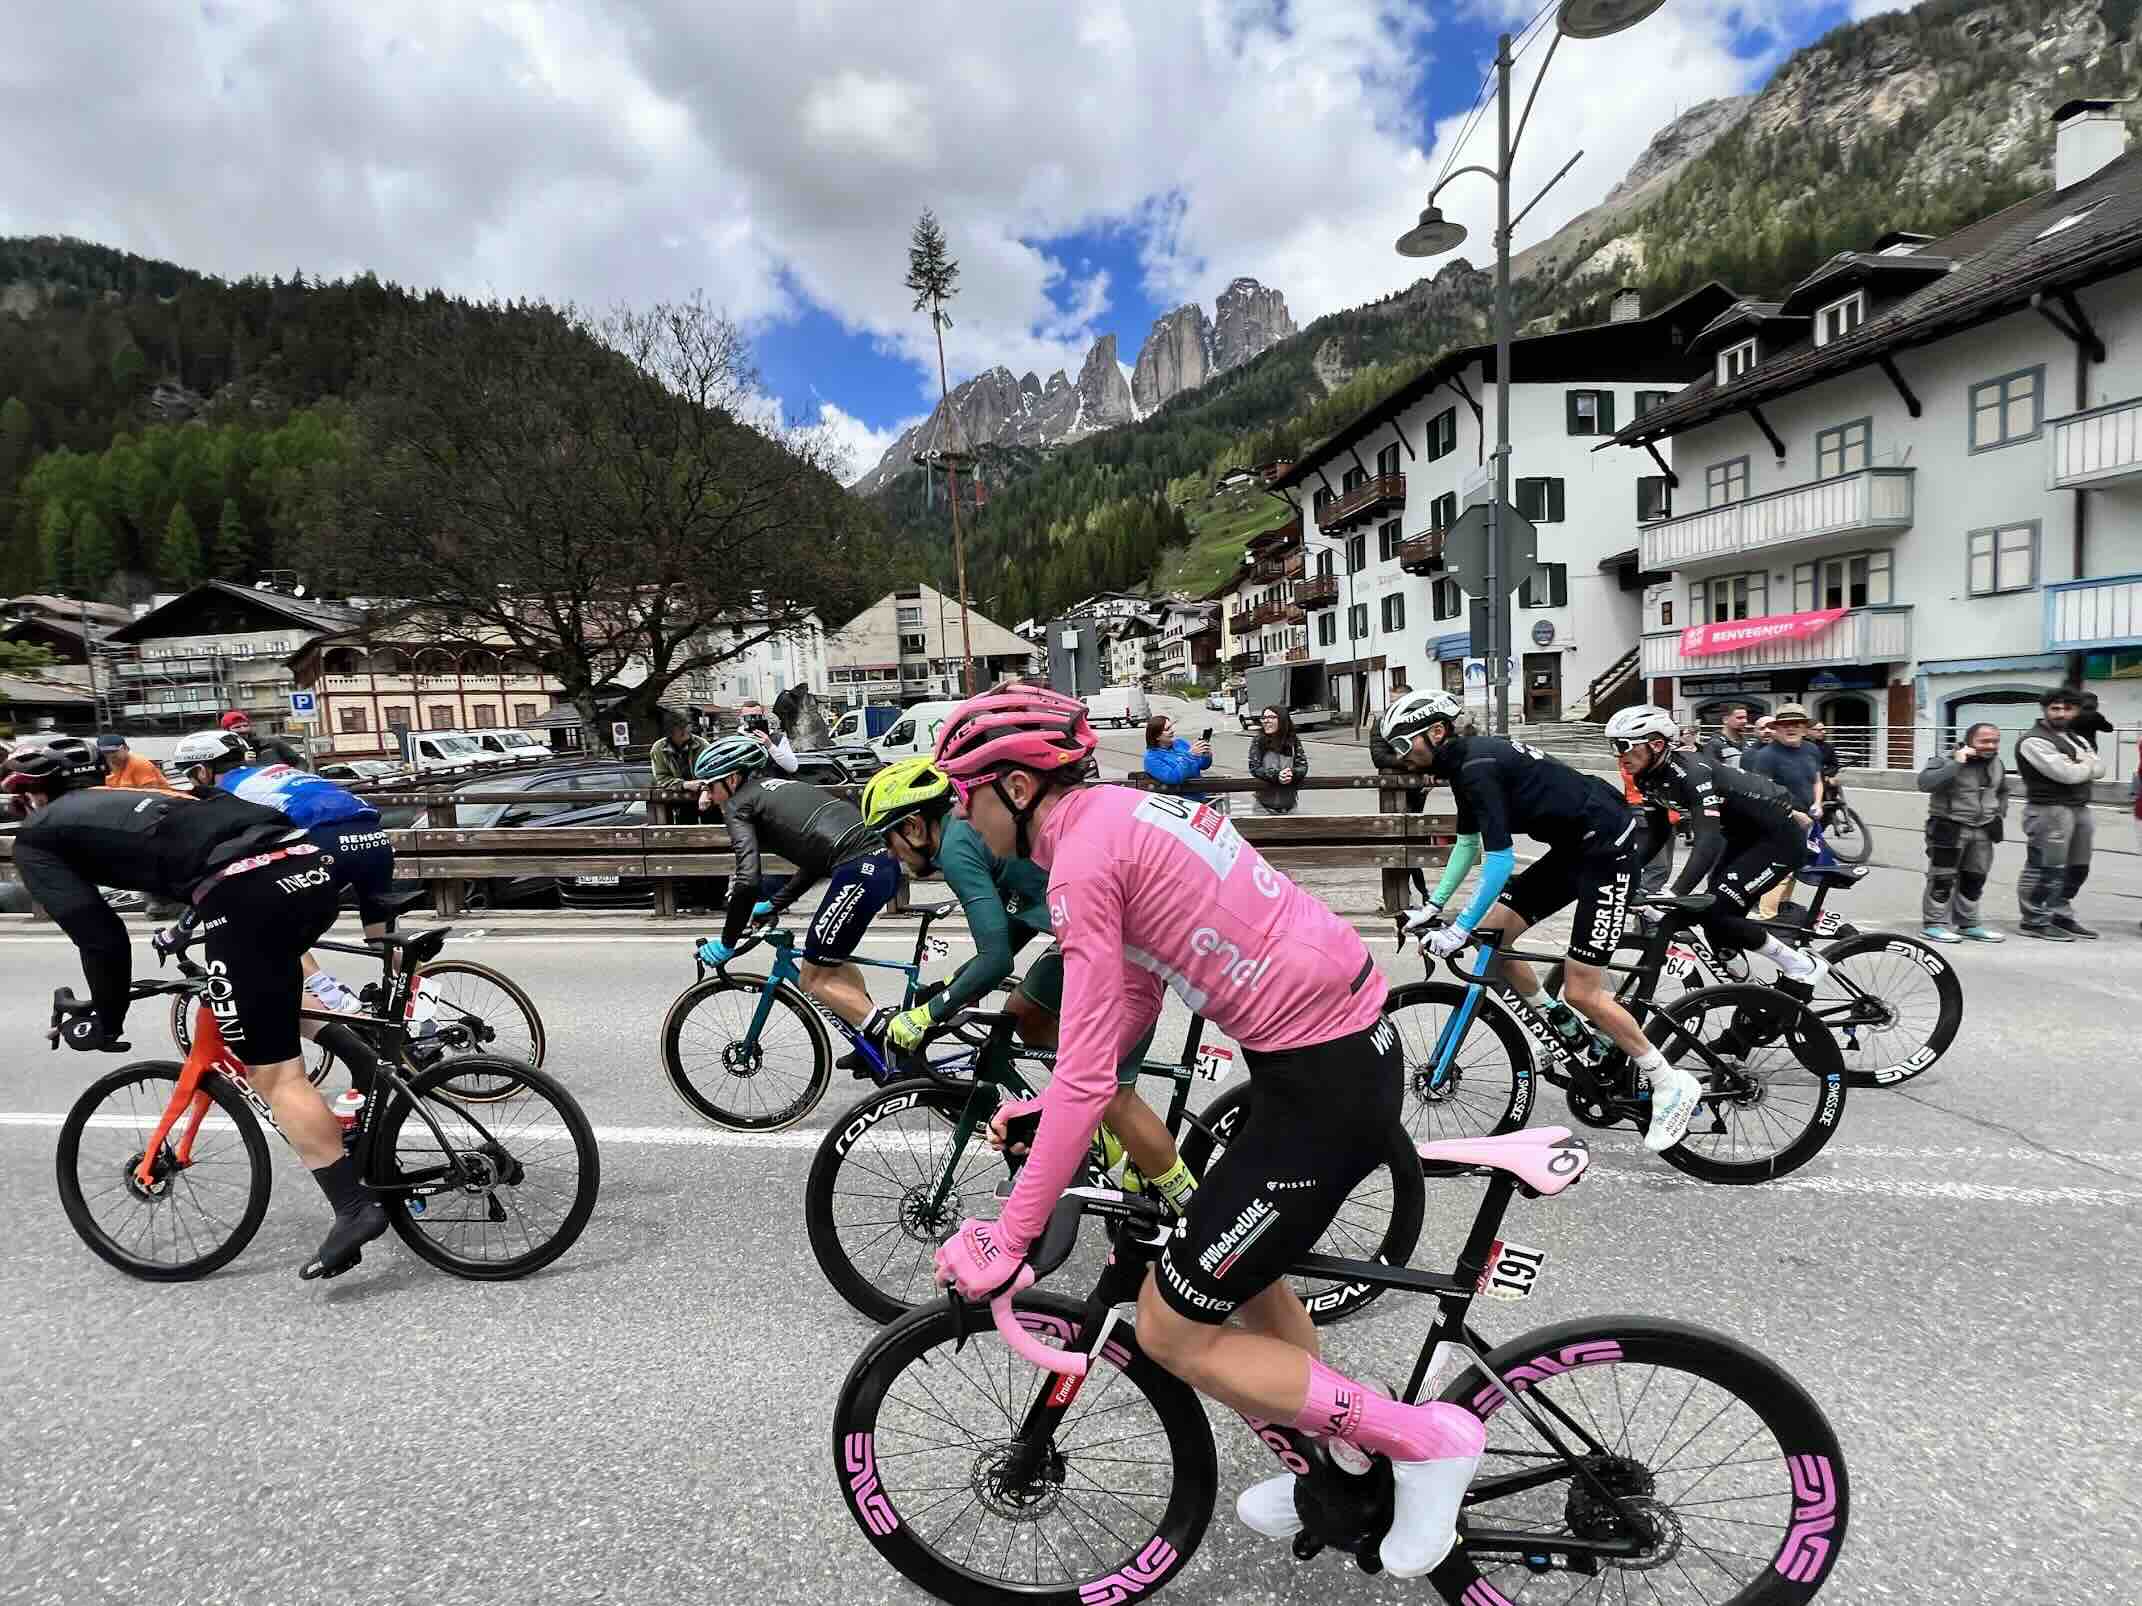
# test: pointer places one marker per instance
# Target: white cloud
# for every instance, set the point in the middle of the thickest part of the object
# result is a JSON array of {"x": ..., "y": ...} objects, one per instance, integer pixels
[
  {"x": 606, "y": 150},
  {"x": 856, "y": 447}
]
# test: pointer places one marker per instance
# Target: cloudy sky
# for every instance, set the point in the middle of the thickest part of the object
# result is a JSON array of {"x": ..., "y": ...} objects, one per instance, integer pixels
[{"x": 1094, "y": 163}]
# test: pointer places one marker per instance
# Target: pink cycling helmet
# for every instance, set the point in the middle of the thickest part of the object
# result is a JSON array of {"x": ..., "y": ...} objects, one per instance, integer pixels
[{"x": 1027, "y": 726}]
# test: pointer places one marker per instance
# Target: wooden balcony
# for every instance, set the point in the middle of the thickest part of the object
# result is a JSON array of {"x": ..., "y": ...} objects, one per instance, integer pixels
[
  {"x": 1423, "y": 553},
  {"x": 2102, "y": 446},
  {"x": 1278, "y": 541},
  {"x": 1318, "y": 591},
  {"x": 1378, "y": 494},
  {"x": 1266, "y": 570},
  {"x": 2089, "y": 615},
  {"x": 1244, "y": 621},
  {"x": 1251, "y": 659},
  {"x": 1863, "y": 636},
  {"x": 1278, "y": 611},
  {"x": 1868, "y": 501},
  {"x": 1297, "y": 655}
]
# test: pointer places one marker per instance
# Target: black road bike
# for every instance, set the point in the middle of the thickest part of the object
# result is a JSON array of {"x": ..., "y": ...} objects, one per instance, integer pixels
[{"x": 1628, "y": 1458}]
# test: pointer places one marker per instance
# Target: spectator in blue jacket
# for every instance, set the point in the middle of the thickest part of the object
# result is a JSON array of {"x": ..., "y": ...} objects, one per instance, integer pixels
[{"x": 1171, "y": 760}]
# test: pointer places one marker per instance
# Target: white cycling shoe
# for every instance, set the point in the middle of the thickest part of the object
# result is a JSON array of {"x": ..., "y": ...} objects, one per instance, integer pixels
[
  {"x": 1676, "y": 1097},
  {"x": 1424, "y": 1524},
  {"x": 1268, "y": 1507},
  {"x": 1818, "y": 970},
  {"x": 1424, "y": 1520}
]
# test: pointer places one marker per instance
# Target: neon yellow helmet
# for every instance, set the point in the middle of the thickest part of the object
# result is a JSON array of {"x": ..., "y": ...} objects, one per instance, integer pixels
[{"x": 911, "y": 786}]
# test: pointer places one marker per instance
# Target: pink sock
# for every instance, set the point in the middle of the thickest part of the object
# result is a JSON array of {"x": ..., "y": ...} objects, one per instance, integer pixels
[{"x": 1339, "y": 1408}]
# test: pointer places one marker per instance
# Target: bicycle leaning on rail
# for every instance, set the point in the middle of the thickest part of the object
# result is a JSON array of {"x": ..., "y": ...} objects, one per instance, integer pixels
[
  {"x": 755, "y": 1053},
  {"x": 1773, "y": 1081},
  {"x": 164, "y": 1172},
  {"x": 897, "y": 1173},
  {"x": 1621, "y": 1449}
]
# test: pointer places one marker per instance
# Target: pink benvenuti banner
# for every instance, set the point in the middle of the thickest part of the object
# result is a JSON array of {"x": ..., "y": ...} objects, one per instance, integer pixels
[{"x": 1736, "y": 635}]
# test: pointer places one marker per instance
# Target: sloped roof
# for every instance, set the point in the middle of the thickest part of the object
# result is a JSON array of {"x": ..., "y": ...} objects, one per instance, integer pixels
[
  {"x": 35, "y": 602},
  {"x": 312, "y": 613},
  {"x": 2001, "y": 262},
  {"x": 1649, "y": 347}
]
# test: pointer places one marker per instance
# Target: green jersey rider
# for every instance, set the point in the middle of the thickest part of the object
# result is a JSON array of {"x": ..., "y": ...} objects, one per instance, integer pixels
[{"x": 1006, "y": 903}]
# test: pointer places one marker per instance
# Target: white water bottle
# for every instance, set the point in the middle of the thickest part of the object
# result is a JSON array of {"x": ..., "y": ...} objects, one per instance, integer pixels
[{"x": 348, "y": 1105}]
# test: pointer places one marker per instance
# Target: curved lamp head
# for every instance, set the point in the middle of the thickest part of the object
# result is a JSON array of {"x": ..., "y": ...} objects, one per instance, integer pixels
[
  {"x": 1595, "y": 19},
  {"x": 1432, "y": 236}
]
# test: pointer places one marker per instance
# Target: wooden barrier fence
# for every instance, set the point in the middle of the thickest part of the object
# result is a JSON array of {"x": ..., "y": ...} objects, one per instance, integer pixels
[{"x": 447, "y": 856}]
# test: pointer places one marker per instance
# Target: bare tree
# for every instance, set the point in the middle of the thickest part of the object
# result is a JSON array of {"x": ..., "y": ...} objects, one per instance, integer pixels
[
  {"x": 933, "y": 275},
  {"x": 606, "y": 496}
]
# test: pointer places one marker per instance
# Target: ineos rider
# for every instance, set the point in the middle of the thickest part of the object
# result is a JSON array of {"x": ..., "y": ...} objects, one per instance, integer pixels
[
  {"x": 1591, "y": 860},
  {"x": 265, "y": 895}
]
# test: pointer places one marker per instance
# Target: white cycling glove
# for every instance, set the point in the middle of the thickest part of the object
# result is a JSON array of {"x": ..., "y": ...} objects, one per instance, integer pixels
[
  {"x": 1421, "y": 919},
  {"x": 1445, "y": 940}
]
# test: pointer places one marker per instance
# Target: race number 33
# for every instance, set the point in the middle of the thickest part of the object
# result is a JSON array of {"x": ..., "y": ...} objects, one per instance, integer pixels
[{"x": 1513, "y": 1271}]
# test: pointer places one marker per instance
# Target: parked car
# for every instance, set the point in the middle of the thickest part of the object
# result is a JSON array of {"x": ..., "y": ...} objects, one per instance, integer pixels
[
  {"x": 1118, "y": 705},
  {"x": 362, "y": 769},
  {"x": 1220, "y": 703}
]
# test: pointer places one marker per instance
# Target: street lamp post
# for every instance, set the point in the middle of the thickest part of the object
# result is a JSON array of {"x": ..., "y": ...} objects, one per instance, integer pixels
[{"x": 1435, "y": 234}]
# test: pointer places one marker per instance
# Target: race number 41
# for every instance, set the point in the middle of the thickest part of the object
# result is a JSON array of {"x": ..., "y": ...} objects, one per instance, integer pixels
[
  {"x": 1513, "y": 1271},
  {"x": 1215, "y": 1063}
]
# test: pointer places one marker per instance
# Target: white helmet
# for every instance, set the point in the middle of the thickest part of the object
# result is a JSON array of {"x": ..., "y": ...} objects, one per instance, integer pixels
[
  {"x": 1416, "y": 711},
  {"x": 1645, "y": 720},
  {"x": 216, "y": 749}
]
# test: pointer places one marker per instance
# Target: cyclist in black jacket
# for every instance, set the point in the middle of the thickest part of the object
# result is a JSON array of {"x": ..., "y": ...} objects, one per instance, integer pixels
[
  {"x": 1503, "y": 788},
  {"x": 825, "y": 838},
  {"x": 265, "y": 895},
  {"x": 1748, "y": 836}
]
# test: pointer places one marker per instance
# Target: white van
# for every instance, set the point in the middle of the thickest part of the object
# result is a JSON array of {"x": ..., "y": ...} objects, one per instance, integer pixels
[
  {"x": 914, "y": 733},
  {"x": 515, "y": 745},
  {"x": 1118, "y": 705},
  {"x": 448, "y": 750}
]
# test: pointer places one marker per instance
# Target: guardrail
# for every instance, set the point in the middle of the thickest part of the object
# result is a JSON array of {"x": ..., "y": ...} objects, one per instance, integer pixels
[{"x": 448, "y": 857}]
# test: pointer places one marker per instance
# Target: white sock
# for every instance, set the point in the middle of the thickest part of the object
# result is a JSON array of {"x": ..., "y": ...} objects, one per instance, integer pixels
[
  {"x": 331, "y": 993},
  {"x": 1784, "y": 958},
  {"x": 1537, "y": 998},
  {"x": 1651, "y": 1062}
]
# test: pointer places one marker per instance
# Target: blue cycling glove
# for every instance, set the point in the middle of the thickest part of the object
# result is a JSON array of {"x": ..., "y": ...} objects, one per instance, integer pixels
[{"x": 715, "y": 952}]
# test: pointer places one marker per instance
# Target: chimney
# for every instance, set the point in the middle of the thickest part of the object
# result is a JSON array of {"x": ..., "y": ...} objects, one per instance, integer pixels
[
  {"x": 2087, "y": 134},
  {"x": 1628, "y": 305}
]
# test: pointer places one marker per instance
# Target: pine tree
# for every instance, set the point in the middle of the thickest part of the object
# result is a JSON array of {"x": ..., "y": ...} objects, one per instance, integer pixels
[
  {"x": 94, "y": 558},
  {"x": 179, "y": 557},
  {"x": 56, "y": 542},
  {"x": 234, "y": 551}
]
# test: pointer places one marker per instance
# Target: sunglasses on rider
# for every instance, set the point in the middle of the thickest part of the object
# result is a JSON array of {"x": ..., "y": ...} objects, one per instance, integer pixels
[
  {"x": 964, "y": 790},
  {"x": 1626, "y": 744}
]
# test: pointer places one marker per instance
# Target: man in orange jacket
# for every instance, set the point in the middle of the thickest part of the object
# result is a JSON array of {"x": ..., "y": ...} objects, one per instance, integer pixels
[{"x": 127, "y": 768}]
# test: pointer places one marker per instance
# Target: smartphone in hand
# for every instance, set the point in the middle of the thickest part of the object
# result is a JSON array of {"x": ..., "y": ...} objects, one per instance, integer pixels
[{"x": 1206, "y": 734}]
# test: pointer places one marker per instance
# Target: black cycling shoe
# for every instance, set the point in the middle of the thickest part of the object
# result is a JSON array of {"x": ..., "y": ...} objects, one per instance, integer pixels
[{"x": 344, "y": 1244}]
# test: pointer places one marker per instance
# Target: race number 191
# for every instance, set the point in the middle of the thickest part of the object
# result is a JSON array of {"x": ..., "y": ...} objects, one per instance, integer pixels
[{"x": 1513, "y": 1271}]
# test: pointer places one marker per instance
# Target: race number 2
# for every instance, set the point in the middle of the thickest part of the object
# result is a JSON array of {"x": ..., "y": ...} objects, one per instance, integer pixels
[{"x": 1513, "y": 1271}]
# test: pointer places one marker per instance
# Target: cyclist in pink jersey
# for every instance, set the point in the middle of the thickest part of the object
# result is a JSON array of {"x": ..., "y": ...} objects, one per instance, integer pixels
[{"x": 1146, "y": 892}]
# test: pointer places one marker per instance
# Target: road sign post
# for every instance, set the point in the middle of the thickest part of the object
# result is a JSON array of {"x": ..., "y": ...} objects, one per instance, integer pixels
[{"x": 304, "y": 705}]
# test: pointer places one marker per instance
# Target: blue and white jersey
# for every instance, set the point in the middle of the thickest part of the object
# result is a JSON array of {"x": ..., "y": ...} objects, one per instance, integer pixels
[{"x": 304, "y": 797}]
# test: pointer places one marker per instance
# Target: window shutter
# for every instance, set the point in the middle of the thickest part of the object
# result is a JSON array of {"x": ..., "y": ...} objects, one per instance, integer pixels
[
  {"x": 1558, "y": 582},
  {"x": 1554, "y": 501},
  {"x": 1569, "y": 400},
  {"x": 1606, "y": 412}
]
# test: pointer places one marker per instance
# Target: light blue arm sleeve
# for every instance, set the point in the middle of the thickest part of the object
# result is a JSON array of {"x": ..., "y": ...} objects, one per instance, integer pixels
[
  {"x": 1494, "y": 871},
  {"x": 1460, "y": 865}
]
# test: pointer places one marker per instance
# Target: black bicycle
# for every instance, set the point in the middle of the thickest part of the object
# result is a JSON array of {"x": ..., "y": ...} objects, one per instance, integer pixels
[
  {"x": 902, "y": 1167},
  {"x": 1627, "y": 1457},
  {"x": 164, "y": 1172},
  {"x": 1773, "y": 1081}
]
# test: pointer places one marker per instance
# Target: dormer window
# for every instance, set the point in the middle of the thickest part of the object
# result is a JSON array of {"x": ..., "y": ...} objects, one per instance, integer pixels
[
  {"x": 1735, "y": 361},
  {"x": 1840, "y": 318},
  {"x": 2068, "y": 222}
]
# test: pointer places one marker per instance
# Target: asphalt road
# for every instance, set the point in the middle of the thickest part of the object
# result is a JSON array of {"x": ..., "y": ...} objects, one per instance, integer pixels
[{"x": 1955, "y": 1280}]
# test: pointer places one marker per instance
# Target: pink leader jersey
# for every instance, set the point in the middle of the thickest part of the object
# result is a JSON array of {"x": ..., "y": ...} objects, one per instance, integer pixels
[{"x": 1149, "y": 890}]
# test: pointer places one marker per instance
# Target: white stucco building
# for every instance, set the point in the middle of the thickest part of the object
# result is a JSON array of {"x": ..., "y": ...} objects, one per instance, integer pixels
[
  {"x": 1910, "y": 493},
  {"x": 1380, "y": 605}
]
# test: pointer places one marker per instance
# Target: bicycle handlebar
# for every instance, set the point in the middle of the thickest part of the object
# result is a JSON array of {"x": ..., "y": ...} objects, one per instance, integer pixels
[{"x": 1071, "y": 1363}]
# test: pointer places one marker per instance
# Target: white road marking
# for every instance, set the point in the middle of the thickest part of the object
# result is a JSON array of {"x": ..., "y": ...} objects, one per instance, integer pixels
[{"x": 1604, "y": 1169}]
